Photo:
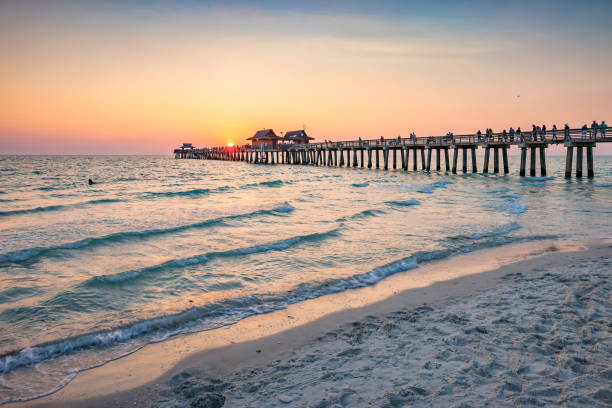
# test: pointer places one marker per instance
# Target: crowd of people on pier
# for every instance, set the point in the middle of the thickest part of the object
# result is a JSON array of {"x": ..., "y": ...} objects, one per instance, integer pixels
[{"x": 537, "y": 133}]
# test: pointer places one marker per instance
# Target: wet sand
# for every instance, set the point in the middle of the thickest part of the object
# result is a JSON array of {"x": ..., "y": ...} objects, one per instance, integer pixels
[{"x": 441, "y": 334}]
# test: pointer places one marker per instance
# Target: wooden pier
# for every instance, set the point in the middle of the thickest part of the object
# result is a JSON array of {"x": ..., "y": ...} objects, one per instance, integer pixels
[{"x": 411, "y": 151}]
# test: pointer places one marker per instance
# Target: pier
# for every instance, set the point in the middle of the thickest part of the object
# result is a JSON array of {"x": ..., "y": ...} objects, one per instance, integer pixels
[{"x": 417, "y": 153}]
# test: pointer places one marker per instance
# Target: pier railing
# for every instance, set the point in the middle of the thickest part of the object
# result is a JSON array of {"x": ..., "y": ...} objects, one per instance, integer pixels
[{"x": 550, "y": 137}]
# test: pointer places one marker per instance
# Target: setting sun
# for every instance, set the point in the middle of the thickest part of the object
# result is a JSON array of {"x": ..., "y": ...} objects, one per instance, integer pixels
[{"x": 230, "y": 144}]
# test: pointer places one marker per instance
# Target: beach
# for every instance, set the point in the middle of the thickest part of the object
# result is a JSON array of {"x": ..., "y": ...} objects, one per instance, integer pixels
[
  {"x": 107, "y": 288},
  {"x": 532, "y": 331}
]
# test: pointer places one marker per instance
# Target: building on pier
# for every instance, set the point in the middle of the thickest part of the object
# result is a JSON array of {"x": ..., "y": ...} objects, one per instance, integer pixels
[
  {"x": 297, "y": 137},
  {"x": 185, "y": 151},
  {"x": 265, "y": 137}
]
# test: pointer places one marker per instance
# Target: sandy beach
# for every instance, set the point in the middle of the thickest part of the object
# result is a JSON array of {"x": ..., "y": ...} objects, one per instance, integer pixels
[{"x": 526, "y": 325}]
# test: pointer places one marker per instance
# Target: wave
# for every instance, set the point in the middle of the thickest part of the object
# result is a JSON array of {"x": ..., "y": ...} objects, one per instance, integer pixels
[
  {"x": 514, "y": 207},
  {"x": 502, "y": 230},
  {"x": 430, "y": 188},
  {"x": 56, "y": 207},
  {"x": 230, "y": 311},
  {"x": 197, "y": 192},
  {"x": 274, "y": 183},
  {"x": 128, "y": 276},
  {"x": 403, "y": 203},
  {"x": 360, "y": 184},
  {"x": 361, "y": 214},
  {"x": 17, "y": 292},
  {"x": 31, "y": 254},
  {"x": 533, "y": 178},
  {"x": 187, "y": 193},
  {"x": 269, "y": 183}
]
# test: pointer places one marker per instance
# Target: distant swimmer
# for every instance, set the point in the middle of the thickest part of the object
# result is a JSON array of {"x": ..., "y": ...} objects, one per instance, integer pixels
[{"x": 91, "y": 182}]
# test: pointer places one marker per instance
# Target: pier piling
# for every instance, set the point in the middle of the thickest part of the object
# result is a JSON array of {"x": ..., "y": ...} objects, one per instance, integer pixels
[
  {"x": 505, "y": 159},
  {"x": 386, "y": 157},
  {"x": 568, "y": 161},
  {"x": 543, "y": 161},
  {"x": 532, "y": 164},
  {"x": 496, "y": 160},
  {"x": 590, "y": 169}
]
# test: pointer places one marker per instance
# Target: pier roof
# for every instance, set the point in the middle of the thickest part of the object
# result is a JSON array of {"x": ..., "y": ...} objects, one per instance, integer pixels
[
  {"x": 297, "y": 135},
  {"x": 265, "y": 134}
]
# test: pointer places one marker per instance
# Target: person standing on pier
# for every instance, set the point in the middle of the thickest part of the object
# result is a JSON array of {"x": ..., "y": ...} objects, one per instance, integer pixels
[
  {"x": 594, "y": 127},
  {"x": 534, "y": 133},
  {"x": 602, "y": 128},
  {"x": 543, "y": 134},
  {"x": 511, "y": 131},
  {"x": 584, "y": 131},
  {"x": 519, "y": 134},
  {"x": 566, "y": 130},
  {"x": 554, "y": 132}
]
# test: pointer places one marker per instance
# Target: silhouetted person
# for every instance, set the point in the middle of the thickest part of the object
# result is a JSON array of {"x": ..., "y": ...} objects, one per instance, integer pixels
[
  {"x": 91, "y": 182},
  {"x": 602, "y": 128}
]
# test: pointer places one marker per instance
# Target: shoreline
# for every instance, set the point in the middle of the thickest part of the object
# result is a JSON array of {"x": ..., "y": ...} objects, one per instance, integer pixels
[{"x": 260, "y": 339}]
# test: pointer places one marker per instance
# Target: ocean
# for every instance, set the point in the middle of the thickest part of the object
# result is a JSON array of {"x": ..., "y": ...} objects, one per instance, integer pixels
[{"x": 160, "y": 247}]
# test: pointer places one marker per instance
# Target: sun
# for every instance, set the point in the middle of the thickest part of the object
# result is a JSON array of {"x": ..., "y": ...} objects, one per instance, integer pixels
[{"x": 230, "y": 144}]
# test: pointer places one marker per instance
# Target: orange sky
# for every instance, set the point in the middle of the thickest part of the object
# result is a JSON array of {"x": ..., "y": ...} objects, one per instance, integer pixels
[{"x": 130, "y": 79}]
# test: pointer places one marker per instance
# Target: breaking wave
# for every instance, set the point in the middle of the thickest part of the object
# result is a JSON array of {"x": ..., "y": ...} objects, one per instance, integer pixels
[
  {"x": 32, "y": 254},
  {"x": 281, "y": 245}
]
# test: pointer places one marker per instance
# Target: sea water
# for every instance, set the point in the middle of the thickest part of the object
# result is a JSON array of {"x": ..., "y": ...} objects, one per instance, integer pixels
[{"x": 160, "y": 247}]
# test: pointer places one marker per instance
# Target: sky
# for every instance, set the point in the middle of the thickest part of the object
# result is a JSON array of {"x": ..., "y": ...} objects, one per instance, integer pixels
[{"x": 142, "y": 77}]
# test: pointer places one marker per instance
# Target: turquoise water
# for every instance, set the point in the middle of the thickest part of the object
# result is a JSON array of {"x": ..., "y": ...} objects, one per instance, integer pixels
[{"x": 160, "y": 247}]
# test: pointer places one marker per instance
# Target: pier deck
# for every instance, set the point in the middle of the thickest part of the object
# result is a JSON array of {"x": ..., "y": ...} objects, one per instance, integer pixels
[{"x": 359, "y": 153}]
